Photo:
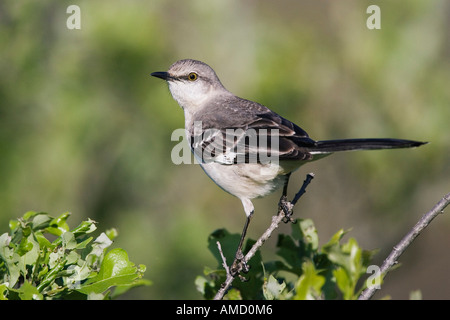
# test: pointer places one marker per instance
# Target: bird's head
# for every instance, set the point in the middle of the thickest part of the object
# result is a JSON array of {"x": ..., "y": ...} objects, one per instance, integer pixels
[{"x": 191, "y": 83}]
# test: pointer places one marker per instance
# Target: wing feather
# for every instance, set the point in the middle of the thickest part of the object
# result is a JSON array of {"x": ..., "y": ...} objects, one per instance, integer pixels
[{"x": 254, "y": 136}]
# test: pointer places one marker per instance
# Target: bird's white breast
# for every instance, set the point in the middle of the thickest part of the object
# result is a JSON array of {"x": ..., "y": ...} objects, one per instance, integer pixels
[{"x": 246, "y": 180}]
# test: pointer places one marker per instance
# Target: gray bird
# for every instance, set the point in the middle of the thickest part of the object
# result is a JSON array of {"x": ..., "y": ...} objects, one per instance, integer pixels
[{"x": 245, "y": 148}]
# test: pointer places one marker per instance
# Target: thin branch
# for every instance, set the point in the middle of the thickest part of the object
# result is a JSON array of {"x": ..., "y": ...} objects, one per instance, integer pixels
[
  {"x": 276, "y": 220},
  {"x": 391, "y": 260},
  {"x": 224, "y": 260}
]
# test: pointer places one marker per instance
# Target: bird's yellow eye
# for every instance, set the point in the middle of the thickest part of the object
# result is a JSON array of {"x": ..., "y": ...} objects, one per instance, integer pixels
[{"x": 192, "y": 76}]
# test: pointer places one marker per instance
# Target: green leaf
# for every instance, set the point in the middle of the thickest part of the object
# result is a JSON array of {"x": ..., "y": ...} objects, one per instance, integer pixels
[
  {"x": 309, "y": 284},
  {"x": 290, "y": 252},
  {"x": 68, "y": 240},
  {"x": 348, "y": 255},
  {"x": 309, "y": 233},
  {"x": 112, "y": 233},
  {"x": 201, "y": 283},
  {"x": 98, "y": 248},
  {"x": 415, "y": 295},
  {"x": 58, "y": 226},
  {"x": 207, "y": 287},
  {"x": 121, "y": 289},
  {"x": 29, "y": 215},
  {"x": 3, "y": 292},
  {"x": 272, "y": 289},
  {"x": 13, "y": 224},
  {"x": 335, "y": 239},
  {"x": 233, "y": 294},
  {"x": 50, "y": 276},
  {"x": 354, "y": 255},
  {"x": 42, "y": 240},
  {"x": 10, "y": 258},
  {"x": 56, "y": 257},
  {"x": 72, "y": 258},
  {"x": 30, "y": 256},
  {"x": 116, "y": 269},
  {"x": 85, "y": 227},
  {"x": 29, "y": 292},
  {"x": 24, "y": 246},
  {"x": 344, "y": 283},
  {"x": 41, "y": 221},
  {"x": 84, "y": 243}
]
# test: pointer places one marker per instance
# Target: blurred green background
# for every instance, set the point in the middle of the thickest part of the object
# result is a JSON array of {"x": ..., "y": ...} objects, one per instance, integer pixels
[{"x": 84, "y": 128}]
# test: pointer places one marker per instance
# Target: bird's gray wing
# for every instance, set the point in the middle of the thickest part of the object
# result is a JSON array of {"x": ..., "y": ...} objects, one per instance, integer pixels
[{"x": 250, "y": 135}]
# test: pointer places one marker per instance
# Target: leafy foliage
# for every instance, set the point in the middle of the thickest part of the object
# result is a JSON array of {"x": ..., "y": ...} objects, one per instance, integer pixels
[
  {"x": 72, "y": 266},
  {"x": 304, "y": 271}
]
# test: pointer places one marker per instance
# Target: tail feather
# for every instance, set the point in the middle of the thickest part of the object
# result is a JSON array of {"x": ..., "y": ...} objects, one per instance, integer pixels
[{"x": 330, "y": 146}]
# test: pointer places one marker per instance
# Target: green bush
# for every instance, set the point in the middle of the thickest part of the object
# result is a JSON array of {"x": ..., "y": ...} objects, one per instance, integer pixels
[
  {"x": 304, "y": 270},
  {"x": 41, "y": 258}
]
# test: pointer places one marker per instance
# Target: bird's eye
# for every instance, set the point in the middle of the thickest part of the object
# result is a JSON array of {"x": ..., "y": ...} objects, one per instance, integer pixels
[{"x": 192, "y": 76}]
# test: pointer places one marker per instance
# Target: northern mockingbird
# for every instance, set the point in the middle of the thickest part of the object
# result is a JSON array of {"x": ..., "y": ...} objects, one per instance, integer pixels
[{"x": 231, "y": 137}]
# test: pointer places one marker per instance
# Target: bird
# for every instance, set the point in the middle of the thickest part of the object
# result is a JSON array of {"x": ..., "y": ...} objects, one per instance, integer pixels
[{"x": 247, "y": 149}]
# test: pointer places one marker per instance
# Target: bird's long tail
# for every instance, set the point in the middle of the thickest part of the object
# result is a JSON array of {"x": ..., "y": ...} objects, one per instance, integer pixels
[{"x": 330, "y": 146}]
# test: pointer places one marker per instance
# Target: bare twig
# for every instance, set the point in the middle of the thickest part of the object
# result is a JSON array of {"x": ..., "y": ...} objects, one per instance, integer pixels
[
  {"x": 405, "y": 242},
  {"x": 224, "y": 260},
  {"x": 276, "y": 220}
]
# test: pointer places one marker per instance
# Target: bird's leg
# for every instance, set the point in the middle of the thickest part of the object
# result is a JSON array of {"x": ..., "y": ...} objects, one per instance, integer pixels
[
  {"x": 286, "y": 205},
  {"x": 239, "y": 263}
]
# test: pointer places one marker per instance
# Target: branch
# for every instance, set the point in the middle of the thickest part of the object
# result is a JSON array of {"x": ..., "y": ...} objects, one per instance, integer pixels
[
  {"x": 405, "y": 242},
  {"x": 224, "y": 264},
  {"x": 276, "y": 220}
]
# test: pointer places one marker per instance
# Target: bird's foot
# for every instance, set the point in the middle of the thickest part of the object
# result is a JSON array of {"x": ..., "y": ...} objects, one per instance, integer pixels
[
  {"x": 239, "y": 265},
  {"x": 287, "y": 208}
]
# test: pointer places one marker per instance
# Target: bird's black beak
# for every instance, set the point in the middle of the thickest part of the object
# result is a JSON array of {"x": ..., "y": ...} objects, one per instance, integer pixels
[{"x": 161, "y": 75}]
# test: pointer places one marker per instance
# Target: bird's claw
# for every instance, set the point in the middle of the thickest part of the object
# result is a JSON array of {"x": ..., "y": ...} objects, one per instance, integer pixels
[
  {"x": 287, "y": 208},
  {"x": 239, "y": 265}
]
